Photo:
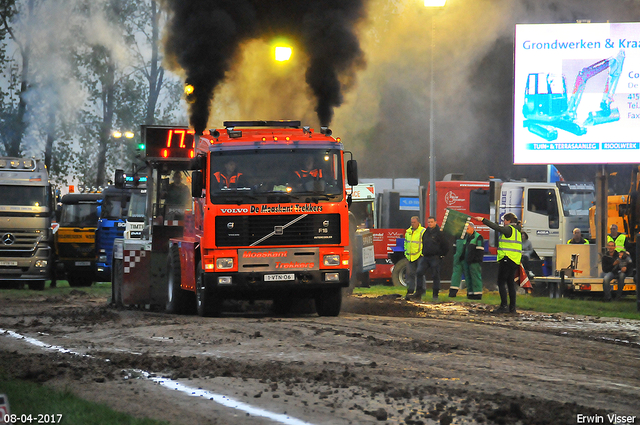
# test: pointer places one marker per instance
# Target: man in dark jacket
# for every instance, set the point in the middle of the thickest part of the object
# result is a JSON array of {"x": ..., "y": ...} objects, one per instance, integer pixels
[
  {"x": 434, "y": 248},
  {"x": 472, "y": 257},
  {"x": 615, "y": 265}
]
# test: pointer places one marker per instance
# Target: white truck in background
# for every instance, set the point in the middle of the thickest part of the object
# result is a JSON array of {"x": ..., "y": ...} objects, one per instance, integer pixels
[
  {"x": 548, "y": 211},
  {"x": 26, "y": 214}
]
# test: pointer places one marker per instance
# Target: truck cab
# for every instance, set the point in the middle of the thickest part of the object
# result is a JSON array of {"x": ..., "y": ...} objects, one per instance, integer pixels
[
  {"x": 76, "y": 237},
  {"x": 26, "y": 214},
  {"x": 548, "y": 211}
]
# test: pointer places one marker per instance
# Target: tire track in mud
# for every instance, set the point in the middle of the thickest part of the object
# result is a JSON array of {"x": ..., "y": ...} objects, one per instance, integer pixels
[{"x": 351, "y": 368}]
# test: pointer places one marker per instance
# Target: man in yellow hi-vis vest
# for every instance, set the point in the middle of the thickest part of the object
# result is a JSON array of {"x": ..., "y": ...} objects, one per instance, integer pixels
[
  {"x": 509, "y": 257},
  {"x": 619, "y": 239},
  {"x": 413, "y": 252}
]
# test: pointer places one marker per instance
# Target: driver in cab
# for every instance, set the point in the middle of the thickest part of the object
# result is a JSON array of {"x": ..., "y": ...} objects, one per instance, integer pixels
[
  {"x": 230, "y": 178},
  {"x": 307, "y": 177}
]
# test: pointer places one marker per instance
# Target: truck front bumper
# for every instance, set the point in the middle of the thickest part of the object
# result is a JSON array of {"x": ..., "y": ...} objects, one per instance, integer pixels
[
  {"x": 37, "y": 267},
  {"x": 257, "y": 285}
]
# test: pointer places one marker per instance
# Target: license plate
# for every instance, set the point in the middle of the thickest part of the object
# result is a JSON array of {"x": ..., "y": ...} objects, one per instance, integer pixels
[
  {"x": 83, "y": 263},
  {"x": 8, "y": 263},
  {"x": 279, "y": 277}
]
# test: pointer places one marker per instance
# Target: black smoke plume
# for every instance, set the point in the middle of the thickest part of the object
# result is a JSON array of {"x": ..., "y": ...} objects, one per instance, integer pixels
[{"x": 204, "y": 37}]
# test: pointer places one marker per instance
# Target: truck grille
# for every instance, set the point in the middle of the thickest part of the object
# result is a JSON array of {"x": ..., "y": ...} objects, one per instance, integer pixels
[
  {"x": 18, "y": 243},
  {"x": 76, "y": 250},
  {"x": 278, "y": 230}
]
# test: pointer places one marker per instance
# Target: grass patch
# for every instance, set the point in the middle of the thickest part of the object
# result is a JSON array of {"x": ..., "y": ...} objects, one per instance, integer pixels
[
  {"x": 32, "y": 399},
  {"x": 98, "y": 289},
  {"x": 624, "y": 309}
]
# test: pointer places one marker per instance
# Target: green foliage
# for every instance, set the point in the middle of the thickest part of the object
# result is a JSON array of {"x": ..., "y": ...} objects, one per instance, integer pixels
[{"x": 32, "y": 399}]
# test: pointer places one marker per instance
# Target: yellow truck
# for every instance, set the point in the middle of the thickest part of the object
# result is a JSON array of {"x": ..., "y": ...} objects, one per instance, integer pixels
[{"x": 76, "y": 238}]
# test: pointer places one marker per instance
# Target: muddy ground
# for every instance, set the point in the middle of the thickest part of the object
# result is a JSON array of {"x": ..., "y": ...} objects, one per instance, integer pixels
[{"x": 384, "y": 360}]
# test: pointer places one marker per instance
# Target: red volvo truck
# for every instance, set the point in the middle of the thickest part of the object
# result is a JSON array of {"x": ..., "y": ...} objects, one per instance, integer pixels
[{"x": 268, "y": 219}]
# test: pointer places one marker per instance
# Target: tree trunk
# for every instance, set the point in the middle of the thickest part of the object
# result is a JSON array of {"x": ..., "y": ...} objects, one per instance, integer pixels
[
  {"x": 108, "y": 94},
  {"x": 156, "y": 72},
  {"x": 51, "y": 137}
]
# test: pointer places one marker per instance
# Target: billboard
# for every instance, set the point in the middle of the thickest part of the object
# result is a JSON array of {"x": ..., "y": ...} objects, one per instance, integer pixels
[{"x": 577, "y": 94}]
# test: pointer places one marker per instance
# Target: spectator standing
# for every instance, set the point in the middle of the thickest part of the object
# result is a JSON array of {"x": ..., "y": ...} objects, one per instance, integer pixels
[
  {"x": 178, "y": 194},
  {"x": 434, "y": 248},
  {"x": 577, "y": 238},
  {"x": 509, "y": 257},
  {"x": 473, "y": 254},
  {"x": 413, "y": 252}
]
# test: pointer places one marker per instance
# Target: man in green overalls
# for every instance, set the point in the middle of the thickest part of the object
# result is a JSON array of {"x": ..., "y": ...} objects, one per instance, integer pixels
[
  {"x": 456, "y": 274},
  {"x": 472, "y": 257}
]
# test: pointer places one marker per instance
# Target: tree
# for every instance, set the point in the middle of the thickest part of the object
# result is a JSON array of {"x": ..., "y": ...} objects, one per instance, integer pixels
[
  {"x": 125, "y": 79},
  {"x": 14, "y": 118}
]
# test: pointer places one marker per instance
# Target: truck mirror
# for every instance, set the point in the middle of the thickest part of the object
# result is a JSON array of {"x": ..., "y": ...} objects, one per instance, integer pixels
[
  {"x": 119, "y": 179},
  {"x": 196, "y": 184},
  {"x": 198, "y": 163},
  {"x": 352, "y": 172}
]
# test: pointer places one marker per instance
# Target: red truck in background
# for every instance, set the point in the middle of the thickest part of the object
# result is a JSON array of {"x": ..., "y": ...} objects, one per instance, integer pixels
[{"x": 469, "y": 197}]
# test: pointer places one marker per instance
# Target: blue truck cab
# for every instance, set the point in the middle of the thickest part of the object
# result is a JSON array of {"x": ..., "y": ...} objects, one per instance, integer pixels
[{"x": 111, "y": 225}]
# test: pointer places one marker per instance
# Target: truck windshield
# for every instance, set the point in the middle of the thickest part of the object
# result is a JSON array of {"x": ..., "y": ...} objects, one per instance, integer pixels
[
  {"x": 112, "y": 206},
  {"x": 277, "y": 176},
  {"x": 577, "y": 202},
  {"x": 138, "y": 206},
  {"x": 32, "y": 196},
  {"x": 81, "y": 215}
]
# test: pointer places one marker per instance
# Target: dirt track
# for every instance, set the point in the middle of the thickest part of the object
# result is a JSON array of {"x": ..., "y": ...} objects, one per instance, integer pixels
[{"x": 383, "y": 360}]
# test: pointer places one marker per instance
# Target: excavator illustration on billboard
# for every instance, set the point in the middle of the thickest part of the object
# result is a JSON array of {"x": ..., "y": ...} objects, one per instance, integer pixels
[{"x": 546, "y": 106}]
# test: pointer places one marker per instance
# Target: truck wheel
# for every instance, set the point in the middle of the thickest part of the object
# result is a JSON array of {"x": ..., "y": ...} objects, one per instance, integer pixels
[
  {"x": 117, "y": 276},
  {"x": 328, "y": 302},
  {"x": 398, "y": 276},
  {"x": 177, "y": 298},
  {"x": 36, "y": 285},
  {"x": 207, "y": 303}
]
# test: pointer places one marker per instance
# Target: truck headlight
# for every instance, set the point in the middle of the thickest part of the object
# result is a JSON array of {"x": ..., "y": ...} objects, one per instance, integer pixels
[
  {"x": 102, "y": 258},
  {"x": 224, "y": 263},
  {"x": 331, "y": 260},
  {"x": 41, "y": 263}
]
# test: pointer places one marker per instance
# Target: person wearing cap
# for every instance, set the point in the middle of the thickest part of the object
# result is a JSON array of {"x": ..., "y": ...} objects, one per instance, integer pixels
[
  {"x": 472, "y": 257},
  {"x": 509, "y": 257},
  {"x": 577, "y": 238}
]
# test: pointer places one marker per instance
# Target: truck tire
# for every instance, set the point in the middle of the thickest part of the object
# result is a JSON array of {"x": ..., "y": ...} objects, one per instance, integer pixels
[
  {"x": 328, "y": 302},
  {"x": 36, "y": 285},
  {"x": 117, "y": 276},
  {"x": 177, "y": 298},
  {"x": 207, "y": 303},
  {"x": 398, "y": 276}
]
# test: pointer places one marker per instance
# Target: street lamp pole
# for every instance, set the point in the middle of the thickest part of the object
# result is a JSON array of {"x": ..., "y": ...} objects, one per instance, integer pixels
[
  {"x": 432, "y": 156},
  {"x": 433, "y": 195}
]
